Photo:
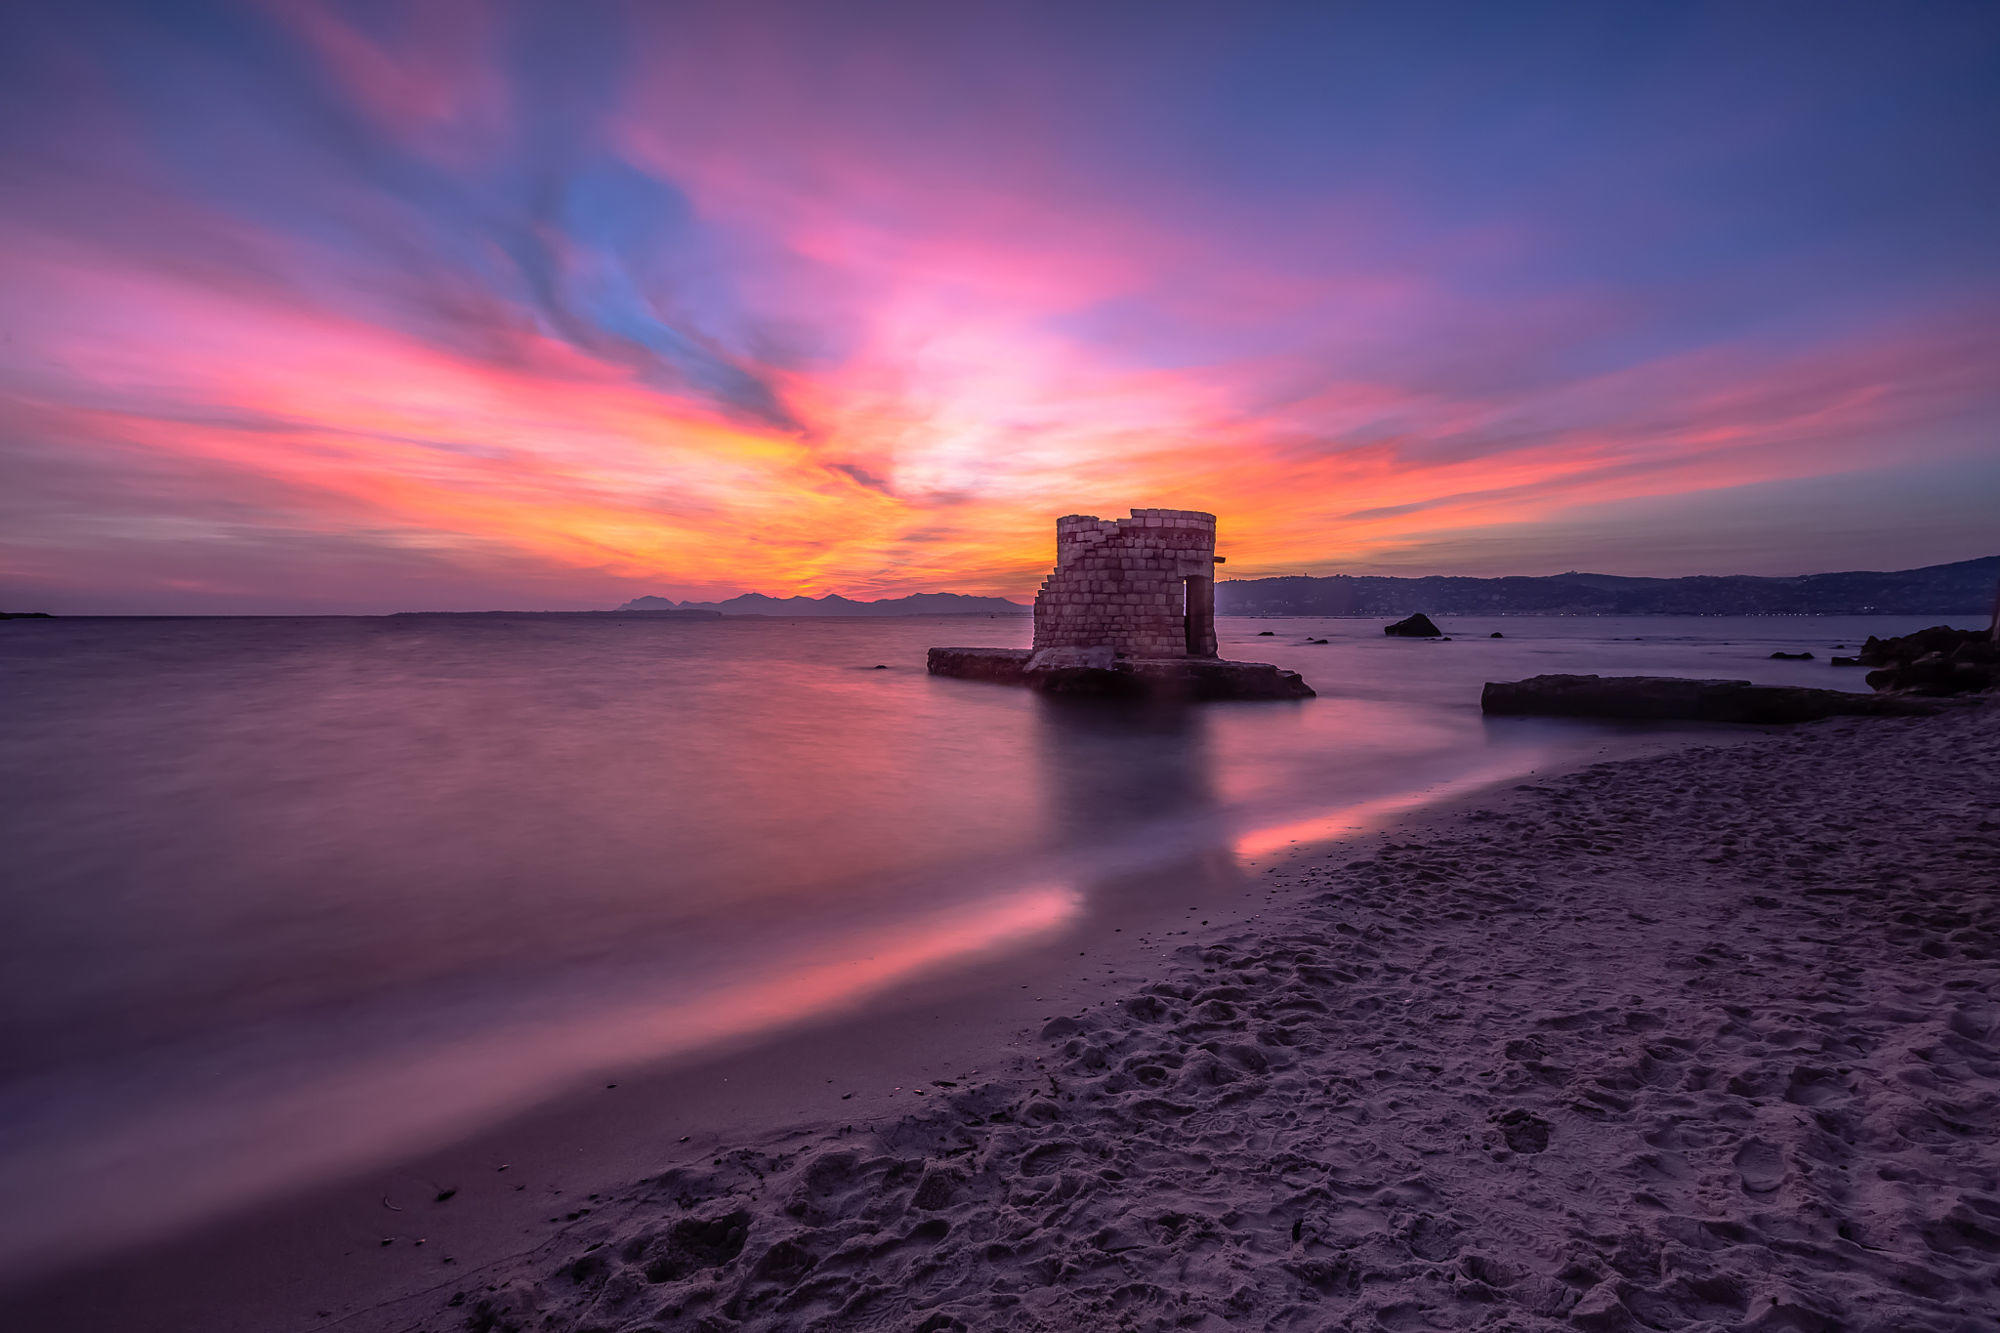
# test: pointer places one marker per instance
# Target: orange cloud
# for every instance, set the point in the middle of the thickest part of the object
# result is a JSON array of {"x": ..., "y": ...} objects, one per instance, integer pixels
[{"x": 808, "y": 317}]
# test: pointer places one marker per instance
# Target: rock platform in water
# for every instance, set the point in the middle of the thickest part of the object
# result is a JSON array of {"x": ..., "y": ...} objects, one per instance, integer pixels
[
  {"x": 1672, "y": 699},
  {"x": 1101, "y": 673}
]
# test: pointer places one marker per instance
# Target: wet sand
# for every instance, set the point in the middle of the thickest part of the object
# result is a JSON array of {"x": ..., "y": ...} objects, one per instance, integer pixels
[{"x": 1701, "y": 1040}]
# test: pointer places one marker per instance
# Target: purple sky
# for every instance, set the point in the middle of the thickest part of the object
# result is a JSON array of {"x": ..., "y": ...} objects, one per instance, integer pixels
[{"x": 356, "y": 307}]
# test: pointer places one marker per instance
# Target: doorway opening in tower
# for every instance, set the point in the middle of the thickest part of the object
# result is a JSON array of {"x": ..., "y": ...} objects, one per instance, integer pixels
[{"x": 1200, "y": 617}]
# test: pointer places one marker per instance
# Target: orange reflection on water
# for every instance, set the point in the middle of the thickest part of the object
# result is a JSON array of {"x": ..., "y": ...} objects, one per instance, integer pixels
[{"x": 1363, "y": 817}]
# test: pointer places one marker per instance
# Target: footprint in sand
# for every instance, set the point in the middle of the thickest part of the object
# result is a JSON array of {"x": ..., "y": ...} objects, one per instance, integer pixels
[
  {"x": 1524, "y": 1131},
  {"x": 1761, "y": 1166}
]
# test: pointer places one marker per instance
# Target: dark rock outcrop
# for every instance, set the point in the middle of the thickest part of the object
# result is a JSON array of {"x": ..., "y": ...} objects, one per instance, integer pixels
[
  {"x": 1672, "y": 699},
  {"x": 1791, "y": 657},
  {"x": 1098, "y": 673},
  {"x": 1418, "y": 626},
  {"x": 1935, "y": 661}
]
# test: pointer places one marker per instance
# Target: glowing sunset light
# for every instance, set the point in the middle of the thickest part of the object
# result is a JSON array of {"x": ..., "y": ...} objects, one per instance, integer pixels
[{"x": 327, "y": 306}]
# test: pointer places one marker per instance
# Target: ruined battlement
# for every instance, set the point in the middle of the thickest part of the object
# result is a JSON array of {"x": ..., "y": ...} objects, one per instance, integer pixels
[
  {"x": 1142, "y": 586},
  {"x": 1128, "y": 612}
]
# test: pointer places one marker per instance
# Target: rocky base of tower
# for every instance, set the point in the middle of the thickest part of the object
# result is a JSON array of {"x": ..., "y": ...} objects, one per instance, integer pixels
[{"x": 1098, "y": 672}]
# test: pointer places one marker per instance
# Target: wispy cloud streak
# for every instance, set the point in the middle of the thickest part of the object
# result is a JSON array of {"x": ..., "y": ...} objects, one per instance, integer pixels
[{"x": 325, "y": 306}]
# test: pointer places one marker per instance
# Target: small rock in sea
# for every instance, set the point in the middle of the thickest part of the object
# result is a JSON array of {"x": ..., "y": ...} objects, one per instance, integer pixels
[
  {"x": 1846, "y": 661},
  {"x": 446, "y": 1194},
  {"x": 1315, "y": 640},
  {"x": 1265, "y": 633},
  {"x": 1418, "y": 626},
  {"x": 1791, "y": 657},
  {"x": 1496, "y": 634},
  {"x": 881, "y": 666}
]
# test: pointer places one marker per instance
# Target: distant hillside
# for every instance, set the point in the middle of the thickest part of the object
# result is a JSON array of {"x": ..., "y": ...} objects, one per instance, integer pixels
[
  {"x": 652, "y": 612},
  {"x": 1962, "y": 589},
  {"x": 916, "y": 604}
]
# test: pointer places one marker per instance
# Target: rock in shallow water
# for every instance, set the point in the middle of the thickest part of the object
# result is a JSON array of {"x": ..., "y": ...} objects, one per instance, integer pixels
[
  {"x": 1418, "y": 626},
  {"x": 1672, "y": 699},
  {"x": 1936, "y": 661}
]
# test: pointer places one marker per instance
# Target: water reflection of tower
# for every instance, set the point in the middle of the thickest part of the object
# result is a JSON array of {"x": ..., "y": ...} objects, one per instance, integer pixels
[
  {"x": 1111, "y": 768},
  {"x": 1130, "y": 792}
]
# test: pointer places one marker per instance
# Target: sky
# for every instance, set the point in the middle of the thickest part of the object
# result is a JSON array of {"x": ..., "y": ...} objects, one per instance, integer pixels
[{"x": 354, "y": 307}]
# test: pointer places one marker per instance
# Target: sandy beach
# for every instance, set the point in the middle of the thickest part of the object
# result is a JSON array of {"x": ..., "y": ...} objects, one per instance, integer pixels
[{"x": 1703, "y": 1040}]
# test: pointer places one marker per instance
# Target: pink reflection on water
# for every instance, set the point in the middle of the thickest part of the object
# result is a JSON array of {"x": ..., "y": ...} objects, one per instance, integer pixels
[
  {"x": 832, "y": 978},
  {"x": 278, "y": 1119}
]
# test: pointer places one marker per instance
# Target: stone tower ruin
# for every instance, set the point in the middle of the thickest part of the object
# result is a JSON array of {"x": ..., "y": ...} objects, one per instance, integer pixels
[
  {"x": 1142, "y": 586},
  {"x": 1128, "y": 612}
]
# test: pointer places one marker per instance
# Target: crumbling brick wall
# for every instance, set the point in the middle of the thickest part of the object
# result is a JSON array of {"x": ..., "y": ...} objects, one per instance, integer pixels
[{"x": 1125, "y": 584}]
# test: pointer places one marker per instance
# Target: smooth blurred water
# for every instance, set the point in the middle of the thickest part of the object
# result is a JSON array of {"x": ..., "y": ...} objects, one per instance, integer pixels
[{"x": 286, "y": 895}]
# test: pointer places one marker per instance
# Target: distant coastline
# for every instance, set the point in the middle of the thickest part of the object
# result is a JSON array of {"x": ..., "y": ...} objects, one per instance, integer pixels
[
  {"x": 691, "y": 613},
  {"x": 620, "y": 614},
  {"x": 833, "y": 604},
  {"x": 1961, "y": 589},
  {"x": 1965, "y": 587}
]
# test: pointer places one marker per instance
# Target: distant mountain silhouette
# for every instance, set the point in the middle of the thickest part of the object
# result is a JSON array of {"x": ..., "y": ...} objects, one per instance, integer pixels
[
  {"x": 916, "y": 604},
  {"x": 1964, "y": 588}
]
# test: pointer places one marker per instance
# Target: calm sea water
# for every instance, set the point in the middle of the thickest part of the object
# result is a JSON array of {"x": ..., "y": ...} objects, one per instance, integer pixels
[{"x": 282, "y": 897}]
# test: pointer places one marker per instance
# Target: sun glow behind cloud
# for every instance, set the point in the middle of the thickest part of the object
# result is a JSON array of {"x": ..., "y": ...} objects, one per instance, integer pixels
[{"x": 317, "y": 306}]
